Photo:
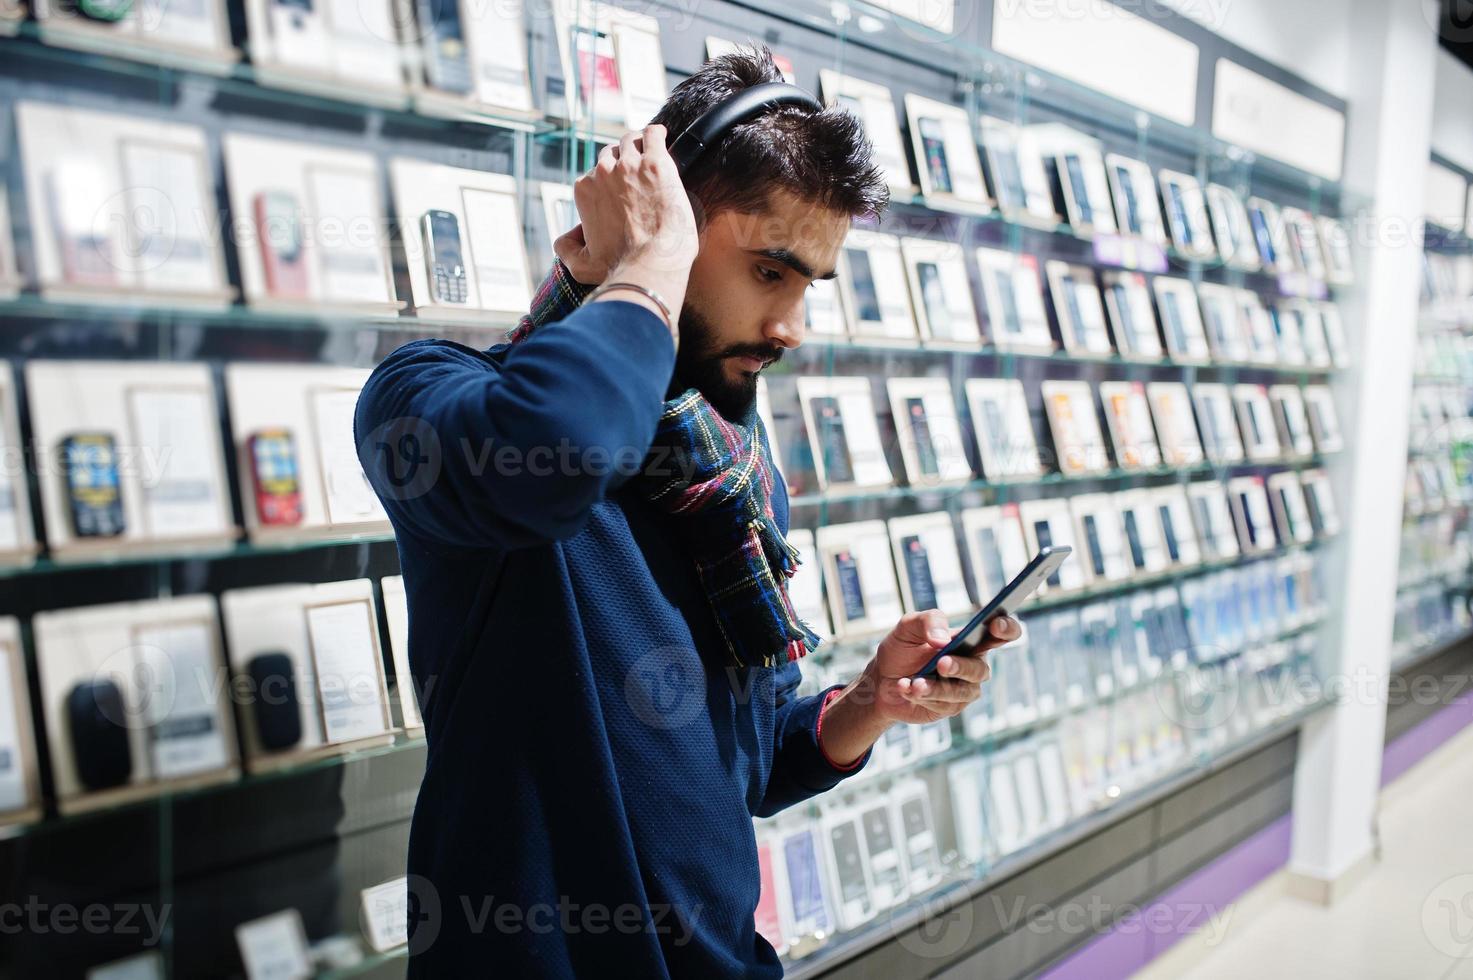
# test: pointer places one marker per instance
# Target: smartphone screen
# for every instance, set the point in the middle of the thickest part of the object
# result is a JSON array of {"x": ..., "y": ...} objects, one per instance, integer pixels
[
  {"x": 829, "y": 420},
  {"x": 805, "y": 885},
  {"x": 1011, "y": 322},
  {"x": 918, "y": 573},
  {"x": 862, "y": 281},
  {"x": 849, "y": 586},
  {"x": 934, "y": 144},
  {"x": 1133, "y": 538},
  {"x": 848, "y": 862},
  {"x": 1179, "y": 212},
  {"x": 1075, "y": 169},
  {"x": 1168, "y": 528},
  {"x": 921, "y": 431},
  {"x": 1092, "y": 539},
  {"x": 934, "y": 298},
  {"x": 93, "y": 485},
  {"x": 1132, "y": 205}
]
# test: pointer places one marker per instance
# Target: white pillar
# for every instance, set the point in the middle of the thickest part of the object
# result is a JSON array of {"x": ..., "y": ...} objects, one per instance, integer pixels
[{"x": 1393, "y": 51}]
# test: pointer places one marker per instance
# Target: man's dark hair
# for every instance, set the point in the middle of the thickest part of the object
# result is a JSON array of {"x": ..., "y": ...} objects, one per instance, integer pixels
[{"x": 823, "y": 157}]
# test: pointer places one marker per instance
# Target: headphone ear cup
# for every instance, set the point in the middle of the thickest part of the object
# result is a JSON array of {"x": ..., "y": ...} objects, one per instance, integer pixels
[{"x": 715, "y": 122}]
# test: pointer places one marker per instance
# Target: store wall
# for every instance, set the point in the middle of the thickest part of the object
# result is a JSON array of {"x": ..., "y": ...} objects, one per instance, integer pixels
[
  {"x": 1452, "y": 111},
  {"x": 1308, "y": 37}
]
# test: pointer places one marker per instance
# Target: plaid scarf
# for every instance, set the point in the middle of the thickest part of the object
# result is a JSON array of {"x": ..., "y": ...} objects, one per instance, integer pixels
[{"x": 715, "y": 482}]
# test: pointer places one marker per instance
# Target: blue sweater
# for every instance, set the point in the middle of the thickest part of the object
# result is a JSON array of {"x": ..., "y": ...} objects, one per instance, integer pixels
[{"x": 588, "y": 795}]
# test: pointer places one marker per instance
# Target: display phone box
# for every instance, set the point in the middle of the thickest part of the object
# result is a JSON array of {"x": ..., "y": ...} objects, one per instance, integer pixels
[
  {"x": 924, "y": 410},
  {"x": 20, "y": 776},
  {"x": 1047, "y": 524},
  {"x": 805, "y": 897},
  {"x": 1178, "y": 534},
  {"x": 1144, "y": 548},
  {"x": 1324, "y": 421},
  {"x": 843, "y": 433},
  {"x": 282, "y": 193},
  {"x": 849, "y": 872},
  {"x": 1097, "y": 528},
  {"x": 1181, "y": 320},
  {"x": 1222, "y": 322},
  {"x": 1176, "y": 426},
  {"x": 1133, "y": 187},
  {"x": 310, "y": 655},
  {"x": 468, "y": 58},
  {"x": 1335, "y": 239},
  {"x": 966, "y": 782},
  {"x": 1018, "y": 173},
  {"x": 1078, "y": 309},
  {"x": 1255, "y": 420},
  {"x": 873, "y": 105},
  {"x": 1231, "y": 228},
  {"x": 945, "y": 150},
  {"x": 1003, "y": 427},
  {"x": 940, "y": 293},
  {"x": 1288, "y": 321},
  {"x": 769, "y": 870},
  {"x": 300, "y": 476},
  {"x": 122, "y": 209},
  {"x": 453, "y": 222},
  {"x": 1291, "y": 513},
  {"x": 884, "y": 849},
  {"x": 1292, "y": 420},
  {"x": 911, "y": 800},
  {"x": 1128, "y": 300},
  {"x": 1004, "y": 815},
  {"x": 137, "y": 459},
  {"x": 17, "y": 529},
  {"x": 132, "y": 700},
  {"x": 1013, "y": 294},
  {"x": 1258, "y": 328},
  {"x": 1078, "y": 442},
  {"x": 1319, "y": 498},
  {"x": 1186, "y": 215},
  {"x": 1077, "y": 173},
  {"x": 996, "y": 547},
  {"x": 396, "y": 613},
  {"x": 1220, "y": 437},
  {"x": 10, "y": 281},
  {"x": 875, "y": 291},
  {"x": 1270, "y": 236},
  {"x": 929, "y": 565},
  {"x": 864, "y": 596},
  {"x": 1251, "y": 514},
  {"x": 1015, "y": 700},
  {"x": 1128, "y": 417}
]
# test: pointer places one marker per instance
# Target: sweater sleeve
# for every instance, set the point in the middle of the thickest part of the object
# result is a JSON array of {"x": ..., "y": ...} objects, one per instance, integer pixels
[
  {"x": 800, "y": 769},
  {"x": 470, "y": 450}
]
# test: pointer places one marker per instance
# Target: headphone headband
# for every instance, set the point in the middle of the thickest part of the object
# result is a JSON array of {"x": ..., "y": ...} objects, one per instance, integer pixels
[{"x": 716, "y": 121}]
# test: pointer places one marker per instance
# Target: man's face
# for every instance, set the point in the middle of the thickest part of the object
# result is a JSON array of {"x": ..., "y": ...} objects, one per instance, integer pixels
[{"x": 744, "y": 304}]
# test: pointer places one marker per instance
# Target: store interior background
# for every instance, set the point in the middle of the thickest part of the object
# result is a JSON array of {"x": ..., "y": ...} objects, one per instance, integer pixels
[{"x": 296, "y": 857}]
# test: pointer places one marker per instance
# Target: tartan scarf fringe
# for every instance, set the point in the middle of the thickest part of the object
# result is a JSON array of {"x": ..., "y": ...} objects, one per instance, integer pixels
[{"x": 718, "y": 494}]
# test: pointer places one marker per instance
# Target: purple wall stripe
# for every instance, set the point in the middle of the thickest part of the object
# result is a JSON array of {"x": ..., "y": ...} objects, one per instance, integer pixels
[{"x": 1190, "y": 904}]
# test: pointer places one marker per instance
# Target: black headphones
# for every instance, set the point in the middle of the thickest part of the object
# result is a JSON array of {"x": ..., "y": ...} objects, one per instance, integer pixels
[{"x": 705, "y": 131}]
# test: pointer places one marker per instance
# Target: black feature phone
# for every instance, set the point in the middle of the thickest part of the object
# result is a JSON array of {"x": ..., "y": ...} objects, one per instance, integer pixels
[
  {"x": 444, "y": 260},
  {"x": 98, "y": 726},
  {"x": 278, "y": 714}
]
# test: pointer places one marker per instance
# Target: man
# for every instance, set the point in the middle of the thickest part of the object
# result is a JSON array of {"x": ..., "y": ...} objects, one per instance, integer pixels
[{"x": 596, "y": 570}]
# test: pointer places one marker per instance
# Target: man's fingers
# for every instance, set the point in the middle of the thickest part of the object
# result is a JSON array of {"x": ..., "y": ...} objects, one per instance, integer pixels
[
  {"x": 1005, "y": 628},
  {"x": 920, "y": 628},
  {"x": 629, "y": 151},
  {"x": 974, "y": 668},
  {"x": 608, "y": 159},
  {"x": 943, "y": 690}
]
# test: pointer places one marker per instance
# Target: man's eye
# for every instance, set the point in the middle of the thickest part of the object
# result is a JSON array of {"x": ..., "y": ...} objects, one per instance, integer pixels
[{"x": 769, "y": 275}]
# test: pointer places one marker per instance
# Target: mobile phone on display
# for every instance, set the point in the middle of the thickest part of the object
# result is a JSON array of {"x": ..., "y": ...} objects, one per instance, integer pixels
[
  {"x": 918, "y": 572},
  {"x": 935, "y": 147},
  {"x": 831, "y": 441},
  {"x": 90, "y": 463},
  {"x": 274, "y": 475},
  {"x": 1074, "y": 170},
  {"x": 279, "y": 229},
  {"x": 1133, "y": 222},
  {"x": 444, "y": 259},
  {"x": 447, "y": 62},
  {"x": 934, "y": 297},
  {"x": 1044, "y": 565},
  {"x": 849, "y": 586},
  {"x": 920, "y": 428}
]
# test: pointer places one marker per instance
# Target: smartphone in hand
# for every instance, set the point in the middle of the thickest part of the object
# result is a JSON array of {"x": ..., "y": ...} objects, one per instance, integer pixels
[{"x": 1039, "y": 570}]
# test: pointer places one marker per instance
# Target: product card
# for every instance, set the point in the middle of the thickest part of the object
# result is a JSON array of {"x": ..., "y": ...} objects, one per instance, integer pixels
[
  {"x": 350, "y": 260},
  {"x": 924, "y": 410},
  {"x": 1186, "y": 213},
  {"x": 1078, "y": 442},
  {"x": 500, "y": 269},
  {"x": 345, "y": 661},
  {"x": 1016, "y": 319},
  {"x": 843, "y": 432},
  {"x": 1134, "y": 190},
  {"x": 1219, "y": 431},
  {"x": 997, "y": 547},
  {"x": 1230, "y": 226},
  {"x": 180, "y": 703},
  {"x": 1129, "y": 419},
  {"x": 807, "y": 898},
  {"x": 1078, "y": 308},
  {"x": 1086, "y": 190},
  {"x": 1097, "y": 526},
  {"x": 385, "y": 914},
  {"x": 873, "y": 280},
  {"x": 1171, "y": 408},
  {"x": 940, "y": 291},
  {"x": 183, "y": 494},
  {"x": 171, "y": 241},
  {"x": 1004, "y": 428},
  {"x": 1129, "y": 303},
  {"x": 350, "y": 497},
  {"x": 860, "y": 573},
  {"x": 274, "y": 947},
  {"x": 1181, "y": 319},
  {"x": 1255, "y": 419},
  {"x": 945, "y": 150}
]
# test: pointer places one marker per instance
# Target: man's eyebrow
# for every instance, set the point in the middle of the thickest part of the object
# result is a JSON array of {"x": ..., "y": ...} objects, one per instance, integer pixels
[{"x": 787, "y": 258}]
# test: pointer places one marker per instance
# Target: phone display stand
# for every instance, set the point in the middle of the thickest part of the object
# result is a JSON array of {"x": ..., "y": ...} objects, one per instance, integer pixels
[
  {"x": 104, "y": 236},
  {"x": 105, "y": 644},
  {"x": 193, "y": 38},
  {"x": 499, "y": 85},
  {"x": 299, "y": 48},
  {"x": 331, "y": 661}
]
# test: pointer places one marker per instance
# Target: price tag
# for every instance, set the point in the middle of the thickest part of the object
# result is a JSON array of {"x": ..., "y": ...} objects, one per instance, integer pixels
[{"x": 386, "y": 914}]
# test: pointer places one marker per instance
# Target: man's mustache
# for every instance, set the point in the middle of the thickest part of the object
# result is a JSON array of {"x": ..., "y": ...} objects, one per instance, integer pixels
[{"x": 769, "y": 354}]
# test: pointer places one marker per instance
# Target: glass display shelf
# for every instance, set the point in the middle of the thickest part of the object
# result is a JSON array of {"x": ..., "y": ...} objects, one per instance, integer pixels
[
  {"x": 826, "y": 343},
  {"x": 46, "y": 565},
  {"x": 1430, "y": 649},
  {"x": 402, "y": 742},
  {"x": 371, "y": 963},
  {"x": 841, "y": 647},
  {"x": 167, "y": 67},
  {"x": 31, "y": 306},
  {"x": 1048, "y": 480},
  {"x": 964, "y": 882}
]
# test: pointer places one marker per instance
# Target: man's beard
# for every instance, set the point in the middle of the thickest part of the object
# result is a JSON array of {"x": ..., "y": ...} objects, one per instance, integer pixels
[{"x": 702, "y": 365}]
